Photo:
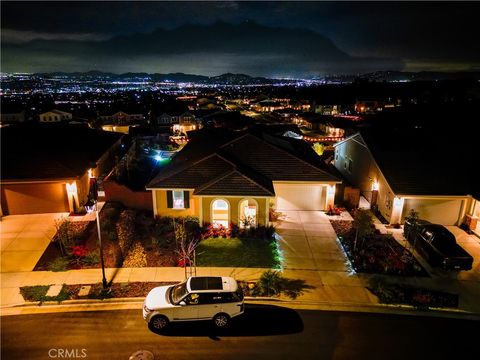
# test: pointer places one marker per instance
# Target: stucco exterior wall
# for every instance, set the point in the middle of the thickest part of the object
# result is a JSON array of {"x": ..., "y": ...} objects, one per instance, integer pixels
[
  {"x": 160, "y": 204},
  {"x": 364, "y": 172}
]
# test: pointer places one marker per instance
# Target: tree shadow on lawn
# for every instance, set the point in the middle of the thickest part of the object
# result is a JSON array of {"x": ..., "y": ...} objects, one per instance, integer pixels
[{"x": 257, "y": 320}]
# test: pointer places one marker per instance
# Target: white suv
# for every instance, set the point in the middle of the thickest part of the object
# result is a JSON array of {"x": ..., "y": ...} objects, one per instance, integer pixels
[{"x": 198, "y": 298}]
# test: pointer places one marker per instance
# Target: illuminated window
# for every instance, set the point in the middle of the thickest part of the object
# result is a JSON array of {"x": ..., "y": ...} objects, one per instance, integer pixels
[
  {"x": 220, "y": 213},
  {"x": 178, "y": 200}
]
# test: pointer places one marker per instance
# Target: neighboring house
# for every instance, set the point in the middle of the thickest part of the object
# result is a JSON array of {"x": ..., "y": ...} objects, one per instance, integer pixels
[
  {"x": 55, "y": 116},
  {"x": 268, "y": 106},
  {"x": 186, "y": 122},
  {"x": 404, "y": 171},
  {"x": 12, "y": 117},
  {"x": 122, "y": 118},
  {"x": 223, "y": 182},
  {"x": 331, "y": 109},
  {"x": 48, "y": 167}
]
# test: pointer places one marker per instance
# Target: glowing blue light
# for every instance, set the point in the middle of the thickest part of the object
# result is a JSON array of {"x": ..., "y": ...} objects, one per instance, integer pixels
[{"x": 158, "y": 157}]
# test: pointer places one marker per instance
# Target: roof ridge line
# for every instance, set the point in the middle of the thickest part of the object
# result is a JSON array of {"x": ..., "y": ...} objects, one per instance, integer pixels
[{"x": 294, "y": 156}]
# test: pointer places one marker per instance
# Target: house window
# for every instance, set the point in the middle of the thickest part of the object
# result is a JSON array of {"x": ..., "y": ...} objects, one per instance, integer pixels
[
  {"x": 248, "y": 213},
  {"x": 220, "y": 213},
  {"x": 178, "y": 200}
]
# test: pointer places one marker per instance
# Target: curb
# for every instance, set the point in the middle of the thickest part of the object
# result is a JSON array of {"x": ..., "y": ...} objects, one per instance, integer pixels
[{"x": 136, "y": 303}]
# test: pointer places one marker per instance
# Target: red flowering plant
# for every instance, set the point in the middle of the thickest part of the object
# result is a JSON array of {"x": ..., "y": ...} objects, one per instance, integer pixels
[{"x": 79, "y": 252}]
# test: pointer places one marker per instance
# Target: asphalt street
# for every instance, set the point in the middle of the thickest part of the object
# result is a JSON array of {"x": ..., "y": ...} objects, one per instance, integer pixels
[{"x": 263, "y": 332}]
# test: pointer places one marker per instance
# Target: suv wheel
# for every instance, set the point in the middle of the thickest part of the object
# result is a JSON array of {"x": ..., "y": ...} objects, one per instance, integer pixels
[
  {"x": 159, "y": 322},
  {"x": 221, "y": 320}
]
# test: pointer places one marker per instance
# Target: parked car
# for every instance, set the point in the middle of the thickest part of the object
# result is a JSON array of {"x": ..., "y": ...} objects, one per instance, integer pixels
[
  {"x": 437, "y": 245},
  {"x": 218, "y": 299}
]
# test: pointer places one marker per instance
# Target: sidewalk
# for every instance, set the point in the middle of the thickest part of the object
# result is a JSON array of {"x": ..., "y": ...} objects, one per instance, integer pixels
[{"x": 311, "y": 253}]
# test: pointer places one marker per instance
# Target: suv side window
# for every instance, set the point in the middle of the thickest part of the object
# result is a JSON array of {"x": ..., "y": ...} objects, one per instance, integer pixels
[{"x": 192, "y": 299}]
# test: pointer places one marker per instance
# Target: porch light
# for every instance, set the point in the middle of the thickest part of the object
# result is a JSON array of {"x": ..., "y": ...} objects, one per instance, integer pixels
[
  {"x": 375, "y": 186},
  {"x": 72, "y": 188}
]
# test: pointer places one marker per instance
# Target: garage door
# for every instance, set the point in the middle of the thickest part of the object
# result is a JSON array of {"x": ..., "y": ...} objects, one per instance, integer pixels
[
  {"x": 445, "y": 212},
  {"x": 34, "y": 198},
  {"x": 300, "y": 197}
]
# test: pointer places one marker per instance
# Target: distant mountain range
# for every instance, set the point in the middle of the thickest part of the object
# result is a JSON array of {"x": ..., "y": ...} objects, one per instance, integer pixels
[
  {"x": 248, "y": 48},
  {"x": 224, "y": 79},
  {"x": 243, "y": 79}
]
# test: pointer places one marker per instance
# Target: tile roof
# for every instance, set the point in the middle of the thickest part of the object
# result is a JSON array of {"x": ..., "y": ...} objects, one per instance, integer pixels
[
  {"x": 51, "y": 151},
  {"x": 234, "y": 164},
  {"x": 271, "y": 162},
  {"x": 234, "y": 183},
  {"x": 423, "y": 164},
  {"x": 193, "y": 176}
]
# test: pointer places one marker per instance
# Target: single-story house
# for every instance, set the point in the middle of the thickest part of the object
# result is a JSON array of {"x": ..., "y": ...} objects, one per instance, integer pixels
[
  {"x": 400, "y": 171},
  {"x": 55, "y": 116},
  {"x": 227, "y": 179},
  {"x": 49, "y": 167}
]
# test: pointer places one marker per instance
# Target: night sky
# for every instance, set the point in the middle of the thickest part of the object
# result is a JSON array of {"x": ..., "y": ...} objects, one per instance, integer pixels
[{"x": 282, "y": 39}]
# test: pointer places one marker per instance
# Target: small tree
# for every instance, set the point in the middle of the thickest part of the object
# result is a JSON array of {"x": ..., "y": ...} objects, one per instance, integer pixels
[
  {"x": 363, "y": 226},
  {"x": 185, "y": 248},
  {"x": 319, "y": 148},
  {"x": 64, "y": 236}
]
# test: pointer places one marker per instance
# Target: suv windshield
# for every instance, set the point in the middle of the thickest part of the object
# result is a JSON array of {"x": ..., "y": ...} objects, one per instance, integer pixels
[{"x": 178, "y": 292}]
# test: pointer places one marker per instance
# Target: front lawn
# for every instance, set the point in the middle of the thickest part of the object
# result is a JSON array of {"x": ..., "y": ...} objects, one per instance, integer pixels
[{"x": 235, "y": 252}]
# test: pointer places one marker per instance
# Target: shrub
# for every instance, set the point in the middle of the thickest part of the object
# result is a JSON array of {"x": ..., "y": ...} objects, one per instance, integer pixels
[
  {"x": 79, "y": 251},
  {"x": 126, "y": 230},
  {"x": 92, "y": 258},
  {"x": 273, "y": 215},
  {"x": 59, "y": 264},
  {"x": 136, "y": 256},
  {"x": 270, "y": 283},
  {"x": 64, "y": 236},
  {"x": 211, "y": 230}
]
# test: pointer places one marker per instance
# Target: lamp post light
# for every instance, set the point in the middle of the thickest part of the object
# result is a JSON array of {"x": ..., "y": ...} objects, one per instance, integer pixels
[{"x": 91, "y": 206}]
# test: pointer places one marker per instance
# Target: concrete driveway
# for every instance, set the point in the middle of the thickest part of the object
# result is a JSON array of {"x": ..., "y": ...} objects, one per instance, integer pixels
[
  {"x": 24, "y": 238},
  {"x": 308, "y": 242},
  {"x": 471, "y": 244}
]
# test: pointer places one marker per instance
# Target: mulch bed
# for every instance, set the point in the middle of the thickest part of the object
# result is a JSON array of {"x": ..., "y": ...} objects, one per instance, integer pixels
[
  {"x": 116, "y": 290},
  {"x": 156, "y": 256},
  {"x": 379, "y": 254},
  {"x": 420, "y": 298}
]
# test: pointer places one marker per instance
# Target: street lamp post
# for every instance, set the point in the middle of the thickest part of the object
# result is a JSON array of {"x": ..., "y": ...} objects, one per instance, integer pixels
[{"x": 89, "y": 209}]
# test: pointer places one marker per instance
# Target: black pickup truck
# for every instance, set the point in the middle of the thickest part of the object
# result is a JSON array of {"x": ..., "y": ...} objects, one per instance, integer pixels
[{"x": 437, "y": 245}]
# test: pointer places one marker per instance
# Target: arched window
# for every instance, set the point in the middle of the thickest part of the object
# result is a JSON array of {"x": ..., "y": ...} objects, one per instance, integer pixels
[
  {"x": 247, "y": 213},
  {"x": 220, "y": 213}
]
